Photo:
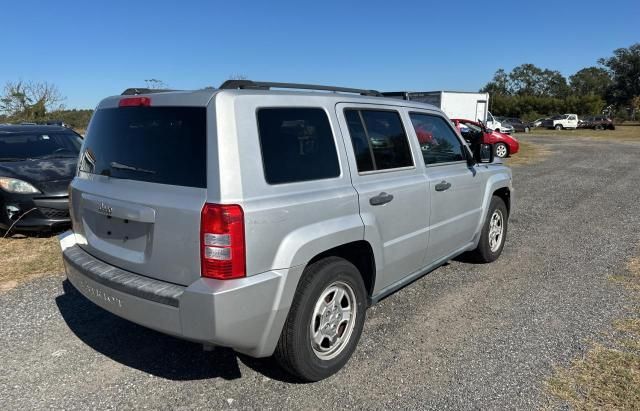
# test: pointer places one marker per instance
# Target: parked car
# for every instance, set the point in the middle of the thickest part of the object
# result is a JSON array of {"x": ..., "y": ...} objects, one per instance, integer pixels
[
  {"x": 518, "y": 125},
  {"x": 538, "y": 122},
  {"x": 562, "y": 121},
  {"x": 504, "y": 144},
  {"x": 37, "y": 164},
  {"x": 597, "y": 123},
  {"x": 494, "y": 123},
  {"x": 269, "y": 221}
]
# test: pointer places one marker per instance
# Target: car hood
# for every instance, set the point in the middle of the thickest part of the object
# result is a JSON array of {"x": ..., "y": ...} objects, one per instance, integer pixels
[{"x": 40, "y": 170}]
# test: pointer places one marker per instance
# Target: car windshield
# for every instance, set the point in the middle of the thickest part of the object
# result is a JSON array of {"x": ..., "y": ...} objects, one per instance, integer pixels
[{"x": 23, "y": 145}]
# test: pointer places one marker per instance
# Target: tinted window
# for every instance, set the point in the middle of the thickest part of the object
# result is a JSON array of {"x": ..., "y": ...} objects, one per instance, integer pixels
[
  {"x": 39, "y": 145},
  {"x": 384, "y": 138},
  {"x": 297, "y": 145},
  {"x": 359, "y": 141},
  {"x": 438, "y": 142},
  {"x": 164, "y": 145}
]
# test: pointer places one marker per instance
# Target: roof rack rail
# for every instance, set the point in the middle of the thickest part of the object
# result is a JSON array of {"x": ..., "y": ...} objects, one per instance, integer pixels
[
  {"x": 134, "y": 91},
  {"x": 265, "y": 85}
]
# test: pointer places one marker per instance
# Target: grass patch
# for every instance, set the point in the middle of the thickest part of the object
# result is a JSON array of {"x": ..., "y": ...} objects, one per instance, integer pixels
[
  {"x": 607, "y": 377},
  {"x": 529, "y": 153},
  {"x": 24, "y": 258},
  {"x": 621, "y": 133}
]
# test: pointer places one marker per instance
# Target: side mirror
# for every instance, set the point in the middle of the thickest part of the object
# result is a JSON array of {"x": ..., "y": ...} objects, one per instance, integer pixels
[{"x": 484, "y": 153}]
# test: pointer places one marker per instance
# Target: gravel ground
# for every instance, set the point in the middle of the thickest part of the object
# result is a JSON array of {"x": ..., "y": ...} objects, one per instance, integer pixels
[{"x": 464, "y": 336}]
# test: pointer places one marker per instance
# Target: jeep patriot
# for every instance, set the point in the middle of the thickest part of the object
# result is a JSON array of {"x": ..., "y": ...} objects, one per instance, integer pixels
[{"x": 267, "y": 217}]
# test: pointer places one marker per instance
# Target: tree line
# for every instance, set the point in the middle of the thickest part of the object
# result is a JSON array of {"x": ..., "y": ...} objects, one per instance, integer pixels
[{"x": 612, "y": 87}]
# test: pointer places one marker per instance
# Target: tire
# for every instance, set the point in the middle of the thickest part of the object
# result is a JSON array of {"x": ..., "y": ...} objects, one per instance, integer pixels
[
  {"x": 487, "y": 250},
  {"x": 558, "y": 127},
  {"x": 297, "y": 352},
  {"x": 497, "y": 129},
  {"x": 501, "y": 150}
]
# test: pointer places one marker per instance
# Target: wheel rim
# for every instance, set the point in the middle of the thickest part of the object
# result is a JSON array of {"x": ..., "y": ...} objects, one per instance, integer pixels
[
  {"x": 501, "y": 150},
  {"x": 333, "y": 320},
  {"x": 496, "y": 230}
]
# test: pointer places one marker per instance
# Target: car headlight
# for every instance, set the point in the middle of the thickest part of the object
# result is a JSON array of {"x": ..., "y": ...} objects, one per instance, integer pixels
[{"x": 13, "y": 185}]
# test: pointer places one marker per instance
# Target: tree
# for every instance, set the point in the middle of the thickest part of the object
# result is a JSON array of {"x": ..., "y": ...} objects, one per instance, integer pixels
[
  {"x": 525, "y": 80},
  {"x": 29, "y": 101},
  {"x": 499, "y": 85},
  {"x": 591, "y": 81},
  {"x": 155, "y": 84},
  {"x": 552, "y": 84},
  {"x": 624, "y": 68},
  {"x": 528, "y": 80}
]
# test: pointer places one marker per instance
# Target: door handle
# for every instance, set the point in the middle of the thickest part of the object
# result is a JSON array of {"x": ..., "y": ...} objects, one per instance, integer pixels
[
  {"x": 380, "y": 199},
  {"x": 442, "y": 186}
]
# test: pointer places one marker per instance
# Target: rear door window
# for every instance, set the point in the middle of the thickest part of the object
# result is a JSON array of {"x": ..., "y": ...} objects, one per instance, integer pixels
[
  {"x": 379, "y": 139},
  {"x": 164, "y": 145},
  {"x": 297, "y": 144}
]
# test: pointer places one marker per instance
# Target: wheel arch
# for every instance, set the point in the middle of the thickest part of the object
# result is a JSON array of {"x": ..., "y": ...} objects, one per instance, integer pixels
[{"x": 360, "y": 254}]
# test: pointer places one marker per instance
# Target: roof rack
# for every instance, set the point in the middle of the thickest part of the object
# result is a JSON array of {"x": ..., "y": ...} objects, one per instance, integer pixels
[
  {"x": 264, "y": 85},
  {"x": 138, "y": 90}
]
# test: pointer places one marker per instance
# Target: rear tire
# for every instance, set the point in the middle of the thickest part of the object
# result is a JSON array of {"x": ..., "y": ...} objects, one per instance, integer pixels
[
  {"x": 501, "y": 150},
  {"x": 558, "y": 127},
  {"x": 494, "y": 232},
  {"x": 325, "y": 320}
]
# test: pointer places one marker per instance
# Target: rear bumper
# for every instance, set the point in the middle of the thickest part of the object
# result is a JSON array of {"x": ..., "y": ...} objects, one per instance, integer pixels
[{"x": 246, "y": 314}]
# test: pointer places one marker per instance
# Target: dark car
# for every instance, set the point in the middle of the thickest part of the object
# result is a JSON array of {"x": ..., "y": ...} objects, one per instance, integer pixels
[
  {"x": 37, "y": 163},
  {"x": 518, "y": 125},
  {"x": 597, "y": 123}
]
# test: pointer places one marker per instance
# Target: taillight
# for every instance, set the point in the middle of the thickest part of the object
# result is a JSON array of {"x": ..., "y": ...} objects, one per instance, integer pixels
[
  {"x": 135, "y": 102},
  {"x": 222, "y": 241}
]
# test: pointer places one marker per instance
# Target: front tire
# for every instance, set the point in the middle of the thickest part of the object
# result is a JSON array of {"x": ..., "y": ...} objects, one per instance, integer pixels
[
  {"x": 494, "y": 232},
  {"x": 501, "y": 150},
  {"x": 325, "y": 320}
]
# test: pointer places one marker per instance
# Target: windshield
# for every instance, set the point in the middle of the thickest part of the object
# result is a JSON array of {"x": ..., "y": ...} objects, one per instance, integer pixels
[{"x": 21, "y": 146}]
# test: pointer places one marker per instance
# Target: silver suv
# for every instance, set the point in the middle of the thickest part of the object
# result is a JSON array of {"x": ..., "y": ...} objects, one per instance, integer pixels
[{"x": 269, "y": 220}]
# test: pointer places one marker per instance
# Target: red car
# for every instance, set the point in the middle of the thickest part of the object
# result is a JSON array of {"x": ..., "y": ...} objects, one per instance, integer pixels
[{"x": 505, "y": 145}]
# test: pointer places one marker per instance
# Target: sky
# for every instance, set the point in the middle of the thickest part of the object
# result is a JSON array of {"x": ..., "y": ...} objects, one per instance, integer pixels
[{"x": 93, "y": 49}]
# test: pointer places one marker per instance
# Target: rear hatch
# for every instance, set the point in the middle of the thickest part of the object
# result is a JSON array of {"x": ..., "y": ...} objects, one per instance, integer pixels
[{"x": 141, "y": 185}]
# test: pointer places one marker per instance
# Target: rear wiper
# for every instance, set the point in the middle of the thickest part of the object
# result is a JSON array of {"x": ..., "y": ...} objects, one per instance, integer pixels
[{"x": 121, "y": 166}]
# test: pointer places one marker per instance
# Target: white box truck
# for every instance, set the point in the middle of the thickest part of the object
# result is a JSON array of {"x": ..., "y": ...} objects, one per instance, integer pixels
[{"x": 455, "y": 104}]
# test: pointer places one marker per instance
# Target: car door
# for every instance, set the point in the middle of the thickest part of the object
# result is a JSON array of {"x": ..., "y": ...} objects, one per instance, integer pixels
[
  {"x": 455, "y": 188},
  {"x": 392, "y": 188},
  {"x": 572, "y": 121}
]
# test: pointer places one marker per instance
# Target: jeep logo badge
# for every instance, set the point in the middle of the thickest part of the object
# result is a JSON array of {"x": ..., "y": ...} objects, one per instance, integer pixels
[{"x": 104, "y": 208}]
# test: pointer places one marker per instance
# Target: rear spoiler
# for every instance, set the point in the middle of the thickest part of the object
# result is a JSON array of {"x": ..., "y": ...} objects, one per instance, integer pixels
[{"x": 135, "y": 91}]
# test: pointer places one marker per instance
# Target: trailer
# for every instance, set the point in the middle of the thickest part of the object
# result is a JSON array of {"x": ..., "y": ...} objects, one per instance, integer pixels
[{"x": 455, "y": 104}]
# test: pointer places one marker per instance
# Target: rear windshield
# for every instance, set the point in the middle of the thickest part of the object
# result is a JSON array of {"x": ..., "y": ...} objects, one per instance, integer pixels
[
  {"x": 22, "y": 146},
  {"x": 164, "y": 145}
]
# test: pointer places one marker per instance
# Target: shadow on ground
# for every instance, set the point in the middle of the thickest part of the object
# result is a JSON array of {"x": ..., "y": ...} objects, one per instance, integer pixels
[{"x": 150, "y": 351}]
